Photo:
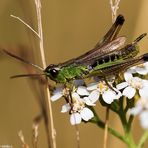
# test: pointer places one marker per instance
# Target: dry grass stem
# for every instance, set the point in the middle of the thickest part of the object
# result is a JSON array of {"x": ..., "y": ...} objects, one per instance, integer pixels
[
  {"x": 35, "y": 135},
  {"x": 40, "y": 32},
  {"x": 18, "y": 18},
  {"x": 21, "y": 136},
  {"x": 77, "y": 136},
  {"x": 41, "y": 44},
  {"x": 114, "y": 7},
  {"x": 106, "y": 128}
]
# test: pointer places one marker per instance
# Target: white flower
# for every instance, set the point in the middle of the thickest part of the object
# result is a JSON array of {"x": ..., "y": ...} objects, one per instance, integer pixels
[
  {"x": 65, "y": 108},
  {"x": 101, "y": 88},
  {"x": 57, "y": 93},
  {"x": 144, "y": 91},
  {"x": 109, "y": 96},
  {"x": 141, "y": 109},
  {"x": 143, "y": 119},
  {"x": 76, "y": 100},
  {"x": 88, "y": 98},
  {"x": 77, "y": 109},
  {"x": 85, "y": 114},
  {"x": 141, "y": 69},
  {"x": 92, "y": 98},
  {"x": 61, "y": 91},
  {"x": 82, "y": 91},
  {"x": 132, "y": 84},
  {"x": 75, "y": 118}
]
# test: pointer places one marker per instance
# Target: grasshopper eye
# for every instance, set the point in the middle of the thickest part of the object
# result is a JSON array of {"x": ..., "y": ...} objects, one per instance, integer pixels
[{"x": 54, "y": 72}]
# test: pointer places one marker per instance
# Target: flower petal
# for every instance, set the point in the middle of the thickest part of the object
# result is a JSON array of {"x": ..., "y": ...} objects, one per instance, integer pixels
[
  {"x": 128, "y": 76},
  {"x": 65, "y": 108},
  {"x": 109, "y": 96},
  {"x": 129, "y": 92},
  {"x": 135, "y": 110},
  {"x": 144, "y": 92},
  {"x": 145, "y": 83},
  {"x": 56, "y": 96},
  {"x": 141, "y": 71},
  {"x": 82, "y": 91},
  {"x": 142, "y": 68},
  {"x": 122, "y": 85},
  {"x": 92, "y": 86},
  {"x": 146, "y": 65},
  {"x": 94, "y": 96},
  {"x": 132, "y": 70},
  {"x": 118, "y": 94},
  {"x": 86, "y": 114},
  {"x": 88, "y": 102},
  {"x": 75, "y": 96},
  {"x": 75, "y": 118},
  {"x": 144, "y": 119}
]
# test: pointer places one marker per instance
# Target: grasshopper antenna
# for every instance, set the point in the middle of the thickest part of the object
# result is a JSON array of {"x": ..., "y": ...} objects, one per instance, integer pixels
[
  {"x": 21, "y": 59},
  {"x": 26, "y": 75}
]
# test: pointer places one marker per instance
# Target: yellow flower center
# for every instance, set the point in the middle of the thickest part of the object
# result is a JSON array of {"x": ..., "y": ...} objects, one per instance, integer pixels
[
  {"x": 102, "y": 86},
  {"x": 77, "y": 105}
]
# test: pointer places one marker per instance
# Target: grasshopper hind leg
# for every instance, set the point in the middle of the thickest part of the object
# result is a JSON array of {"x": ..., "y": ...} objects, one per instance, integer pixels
[
  {"x": 106, "y": 81},
  {"x": 109, "y": 85}
]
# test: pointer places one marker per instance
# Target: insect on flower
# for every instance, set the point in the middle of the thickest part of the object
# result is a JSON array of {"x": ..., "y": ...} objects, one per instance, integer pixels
[{"x": 107, "y": 59}]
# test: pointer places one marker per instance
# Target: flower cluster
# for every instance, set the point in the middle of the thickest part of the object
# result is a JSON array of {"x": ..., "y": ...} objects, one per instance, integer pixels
[
  {"x": 134, "y": 84},
  {"x": 84, "y": 96},
  {"x": 141, "y": 109},
  {"x": 141, "y": 106}
]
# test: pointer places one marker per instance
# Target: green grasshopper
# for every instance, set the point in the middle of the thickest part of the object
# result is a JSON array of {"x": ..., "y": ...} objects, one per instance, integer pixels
[{"x": 108, "y": 58}]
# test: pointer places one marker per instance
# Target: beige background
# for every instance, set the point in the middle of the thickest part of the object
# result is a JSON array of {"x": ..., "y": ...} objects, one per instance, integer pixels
[{"x": 71, "y": 27}]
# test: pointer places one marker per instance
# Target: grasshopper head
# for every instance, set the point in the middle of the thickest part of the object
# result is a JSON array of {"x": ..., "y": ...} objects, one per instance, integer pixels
[{"x": 52, "y": 71}]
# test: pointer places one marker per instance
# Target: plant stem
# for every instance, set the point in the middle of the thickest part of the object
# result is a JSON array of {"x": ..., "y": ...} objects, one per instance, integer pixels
[
  {"x": 114, "y": 7},
  {"x": 143, "y": 139},
  {"x": 129, "y": 140},
  {"x": 77, "y": 136},
  {"x": 122, "y": 115},
  {"x": 126, "y": 125},
  {"x": 96, "y": 120},
  {"x": 40, "y": 32},
  {"x": 130, "y": 120},
  {"x": 106, "y": 127}
]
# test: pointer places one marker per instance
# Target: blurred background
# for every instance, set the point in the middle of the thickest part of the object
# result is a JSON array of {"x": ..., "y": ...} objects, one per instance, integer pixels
[{"x": 70, "y": 28}]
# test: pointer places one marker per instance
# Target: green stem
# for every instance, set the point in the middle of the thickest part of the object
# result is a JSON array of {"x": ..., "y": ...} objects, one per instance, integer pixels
[
  {"x": 96, "y": 120},
  {"x": 126, "y": 125},
  {"x": 122, "y": 115},
  {"x": 143, "y": 139},
  {"x": 115, "y": 107},
  {"x": 129, "y": 140},
  {"x": 130, "y": 120},
  {"x": 111, "y": 130}
]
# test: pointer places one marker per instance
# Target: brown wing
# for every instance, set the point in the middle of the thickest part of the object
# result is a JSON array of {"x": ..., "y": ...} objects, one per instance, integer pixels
[
  {"x": 113, "y": 31},
  {"x": 104, "y": 44},
  {"x": 97, "y": 52}
]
